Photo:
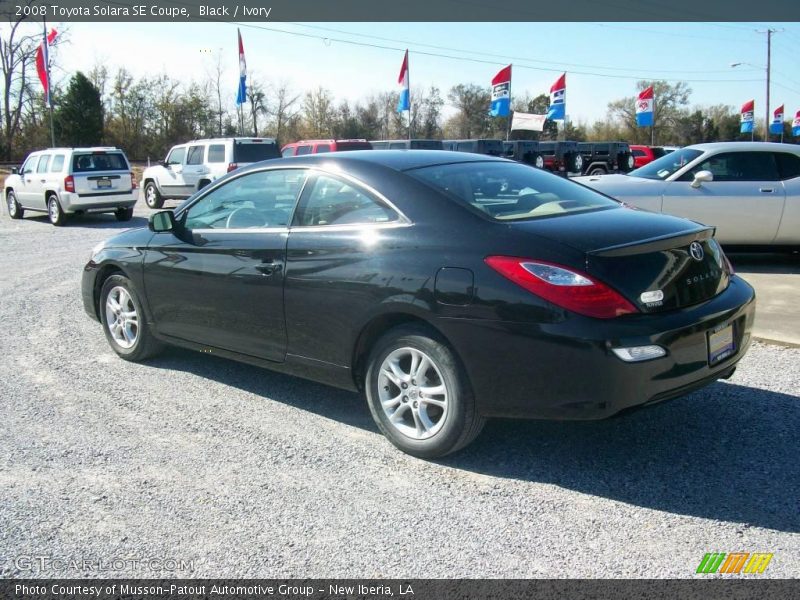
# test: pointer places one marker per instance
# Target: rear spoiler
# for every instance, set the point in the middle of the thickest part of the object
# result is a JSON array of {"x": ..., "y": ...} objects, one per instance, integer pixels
[{"x": 663, "y": 242}]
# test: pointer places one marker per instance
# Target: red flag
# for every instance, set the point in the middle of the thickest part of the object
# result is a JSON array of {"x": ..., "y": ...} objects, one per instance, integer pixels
[
  {"x": 43, "y": 63},
  {"x": 646, "y": 94},
  {"x": 503, "y": 76},
  {"x": 560, "y": 84},
  {"x": 748, "y": 106}
]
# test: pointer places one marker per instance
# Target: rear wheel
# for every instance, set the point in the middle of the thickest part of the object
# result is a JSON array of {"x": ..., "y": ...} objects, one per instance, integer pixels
[
  {"x": 124, "y": 321},
  {"x": 419, "y": 395},
  {"x": 597, "y": 171},
  {"x": 15, "y": 211},
  {"x": 575, "y": 163},
  {"x": 54, "y": 212},
  {"x": 124, "y": 214},
  {"x": 152, "y": 197}
]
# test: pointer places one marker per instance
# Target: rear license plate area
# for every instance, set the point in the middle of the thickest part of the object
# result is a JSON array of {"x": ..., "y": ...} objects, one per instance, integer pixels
[
  {"x": 721, "y": 343},
  {"x": 103, "y": 184}
]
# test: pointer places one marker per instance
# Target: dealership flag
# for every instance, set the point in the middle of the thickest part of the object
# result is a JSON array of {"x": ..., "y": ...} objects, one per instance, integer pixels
[
  {"x": 404, "y": 103},
  {"x": 501, "y": 93},
  {"x": 241, "y": 94},
  {"x": 43, "y": 63},
  {"x": 776, "y": 127},
  {"x": 558, "y": 97},
  {"x": 748, "y": 108},
  {"x": 527, "y": 121},
  {"x": 796, "y": 125},
  {"x": 644, "y": 108}
]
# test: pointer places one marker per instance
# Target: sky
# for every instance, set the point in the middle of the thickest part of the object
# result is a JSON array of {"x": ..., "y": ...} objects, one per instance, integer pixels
[{"x": 603, "y": 61}]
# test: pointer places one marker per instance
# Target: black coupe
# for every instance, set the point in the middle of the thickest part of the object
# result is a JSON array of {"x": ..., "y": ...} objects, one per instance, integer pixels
[{"x": 448, "y": 287}]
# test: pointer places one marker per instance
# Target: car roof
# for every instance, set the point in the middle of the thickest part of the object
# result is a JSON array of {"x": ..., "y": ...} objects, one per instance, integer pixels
[
  {"x": 87, "y": 149},
  {"x": 399, "y": 160},
  {"x": 229, "y": 139},
  {"x": 749, "y": 146}
]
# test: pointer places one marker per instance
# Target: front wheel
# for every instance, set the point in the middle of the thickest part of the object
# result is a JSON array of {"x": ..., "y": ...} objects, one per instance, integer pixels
[
  {"x": 419, "y": 395},
  {"x": 597, "y": 171},
  {"x": 54, "y": 212},
  {"x": 15, "y": 211},
  {"x": 124, "y": 322},
  {"x": 152, "y": 197}
]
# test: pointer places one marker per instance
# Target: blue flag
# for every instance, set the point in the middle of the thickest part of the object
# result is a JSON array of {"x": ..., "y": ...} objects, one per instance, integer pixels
[{"x": 501, "y": 93}]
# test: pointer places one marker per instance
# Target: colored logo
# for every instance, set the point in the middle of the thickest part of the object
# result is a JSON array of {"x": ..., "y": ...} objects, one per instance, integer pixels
[{"x": 734, "y": 562}]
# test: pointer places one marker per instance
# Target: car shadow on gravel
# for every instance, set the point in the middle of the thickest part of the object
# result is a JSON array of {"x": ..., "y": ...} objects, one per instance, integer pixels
[
  {"x": 727, "y": 452},
  {"x": 93, "y": 221}
]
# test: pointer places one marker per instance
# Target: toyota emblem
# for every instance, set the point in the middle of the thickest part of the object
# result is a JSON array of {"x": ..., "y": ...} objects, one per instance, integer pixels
[{"x": 696, "y": 250}]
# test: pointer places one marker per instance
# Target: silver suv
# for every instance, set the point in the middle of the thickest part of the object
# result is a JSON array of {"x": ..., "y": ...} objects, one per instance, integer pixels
[
  {"x": 192, "y": 166},
  {"x": 63, "y": 181}
]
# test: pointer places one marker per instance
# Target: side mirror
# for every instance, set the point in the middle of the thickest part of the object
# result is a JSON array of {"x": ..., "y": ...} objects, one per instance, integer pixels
[
  {"x": 162, "y": 221},
  {"x": 702, "y": 177}
]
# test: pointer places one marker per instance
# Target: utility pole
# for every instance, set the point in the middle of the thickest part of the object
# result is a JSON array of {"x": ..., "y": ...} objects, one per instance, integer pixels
[{"x": 769, "y": 57}]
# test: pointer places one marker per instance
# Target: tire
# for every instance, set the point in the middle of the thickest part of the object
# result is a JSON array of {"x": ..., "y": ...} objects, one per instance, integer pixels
[
  {"x": 575, "y": 163},
  {"x": 152, "y": 197},
  {"x": 128, "y": 334},
  {"x": 124, "y": 214},
  {"x": 54, "y": 212},
  {"x": 597, "y": 171},
  {"x": 203, "y": 183},
  {"x": 444, "y": 423},
  {"x": 629, "y": 162},
  {"x": 15, "y": 211}
]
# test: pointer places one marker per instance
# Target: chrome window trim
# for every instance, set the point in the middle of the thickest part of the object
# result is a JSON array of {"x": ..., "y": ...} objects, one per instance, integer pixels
[{"x": 403, "y": 220}]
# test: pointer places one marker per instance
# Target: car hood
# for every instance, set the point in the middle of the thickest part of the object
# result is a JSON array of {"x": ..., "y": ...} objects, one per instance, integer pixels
[
  {"x": 620, "y": 186},
  {"x": 130, "y": 238}
]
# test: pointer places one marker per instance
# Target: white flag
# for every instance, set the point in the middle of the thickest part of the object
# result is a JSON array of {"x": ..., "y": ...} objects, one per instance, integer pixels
[{"x": 528, "y": 121}]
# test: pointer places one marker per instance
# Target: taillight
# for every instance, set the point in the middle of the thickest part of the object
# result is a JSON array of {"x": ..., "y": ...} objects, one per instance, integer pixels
[
  {"x": 134, "y": 183},
  {"x": 69, "y": 183},
  {"x": 232, "y": 167},
  {"x": 564, "y": 287}
]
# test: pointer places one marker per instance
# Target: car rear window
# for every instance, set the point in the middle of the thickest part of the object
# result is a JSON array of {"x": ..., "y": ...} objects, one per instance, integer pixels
[
  {"x": 99, "y": 161},
  {"x": 250, "y": 152},
  {"x": 510, "y": 191},
  {"x": 788, "y": 165},
  {"x": 353, "y": 146}
]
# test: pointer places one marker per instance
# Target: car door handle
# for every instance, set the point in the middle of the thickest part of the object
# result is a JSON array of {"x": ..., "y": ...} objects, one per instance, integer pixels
[
  {"x": 42, "y": 180},
  {"x": 270, "y": 268},
  {"x": 766, "y": 190}
]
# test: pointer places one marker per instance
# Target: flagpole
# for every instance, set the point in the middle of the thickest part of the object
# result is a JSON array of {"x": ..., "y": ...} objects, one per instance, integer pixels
[
  {"x": 49, "y": 95},
  {"x": 510, "y": 110},
  {"x": 408, "y": 79}
]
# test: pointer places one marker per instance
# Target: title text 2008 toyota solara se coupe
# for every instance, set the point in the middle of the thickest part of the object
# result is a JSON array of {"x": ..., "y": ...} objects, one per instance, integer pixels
[{"x": 449, "y": 287}]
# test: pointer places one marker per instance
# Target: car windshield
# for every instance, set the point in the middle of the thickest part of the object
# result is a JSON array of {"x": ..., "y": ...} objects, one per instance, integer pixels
[
  {"x": 507, "y": 191},
  {"x": 667, "y": 165}
]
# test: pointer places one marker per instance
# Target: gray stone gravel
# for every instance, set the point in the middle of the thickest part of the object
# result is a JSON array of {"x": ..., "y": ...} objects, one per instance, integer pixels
[{"x": 247, "y": 473}]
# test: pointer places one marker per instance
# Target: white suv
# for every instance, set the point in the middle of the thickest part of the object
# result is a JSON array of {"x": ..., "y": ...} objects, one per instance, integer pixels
[
  {"x": 192, "y": 166},
  {"x": 62, "y": 181}
]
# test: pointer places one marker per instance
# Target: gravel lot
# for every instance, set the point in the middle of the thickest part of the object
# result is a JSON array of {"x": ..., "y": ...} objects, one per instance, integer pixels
[{"x": 247, "y": 473}]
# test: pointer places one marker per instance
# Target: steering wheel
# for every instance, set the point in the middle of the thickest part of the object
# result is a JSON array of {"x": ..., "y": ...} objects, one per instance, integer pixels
[{"x": 245, "y": 218}]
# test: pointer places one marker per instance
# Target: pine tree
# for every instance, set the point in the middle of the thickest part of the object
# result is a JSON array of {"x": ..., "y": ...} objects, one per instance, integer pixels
[{"x": 79, "y": 120}]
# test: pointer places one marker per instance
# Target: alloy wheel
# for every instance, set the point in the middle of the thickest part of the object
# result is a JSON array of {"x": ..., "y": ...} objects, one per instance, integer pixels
[
  {"x": 413, "y": 393},
  {"x": 122, "y": 319}
]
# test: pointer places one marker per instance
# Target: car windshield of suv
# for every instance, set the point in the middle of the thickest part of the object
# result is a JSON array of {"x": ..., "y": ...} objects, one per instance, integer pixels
[
  {"x": 254, "y": 152},
  {"x": 667, "y": 165},
  {"x": 99, "y": 161},
  {"x": 510, "y": 191}
]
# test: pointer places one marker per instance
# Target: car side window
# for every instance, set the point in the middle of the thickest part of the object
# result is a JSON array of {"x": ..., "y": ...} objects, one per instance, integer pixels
[
  {"x": 216, "y": 153},
  {"x": 336, "y": 202},
  {"x": 30, "y": 165},
  {"x": 253, "y": 200},
  {"x": 44, "y": 162},
  {"x": 323, "y": 148},
  {"x": 176, "y": 156},
  {"x": 737, "y": 166},
  {"x": 195, "y": 156},
  {"x": 788, "y": 165},
  {"x": 58, "y": 164},
  {"x": 303, "y": 150}
]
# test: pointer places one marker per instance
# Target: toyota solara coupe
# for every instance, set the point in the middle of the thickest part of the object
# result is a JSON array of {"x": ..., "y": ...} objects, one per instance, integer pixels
[{"x": 447, "y": 287}]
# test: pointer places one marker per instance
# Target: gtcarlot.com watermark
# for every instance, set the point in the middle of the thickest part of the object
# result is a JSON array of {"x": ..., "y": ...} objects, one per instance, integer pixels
[{"x": 41, "y": 563}]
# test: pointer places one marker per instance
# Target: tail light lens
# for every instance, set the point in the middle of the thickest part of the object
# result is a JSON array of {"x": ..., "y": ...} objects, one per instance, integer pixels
[
  {"x": 134, "y": 183},
  {"x": 69, "y": 183},
  {"x": 564, "y": 287},
  {"x": 232, "y": 167}
]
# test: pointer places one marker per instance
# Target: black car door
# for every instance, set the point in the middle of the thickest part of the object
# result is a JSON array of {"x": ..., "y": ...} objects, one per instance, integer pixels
[{"x": 218, "y": 281}]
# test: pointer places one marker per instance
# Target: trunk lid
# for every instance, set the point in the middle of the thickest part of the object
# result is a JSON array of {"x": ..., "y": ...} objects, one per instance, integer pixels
[
  {"x": 101, "y": 172},
  {"x": 657, "y": 262}
]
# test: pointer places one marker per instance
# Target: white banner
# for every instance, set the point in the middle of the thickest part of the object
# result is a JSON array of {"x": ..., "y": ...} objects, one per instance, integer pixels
[{"x": 528, "y": 121}]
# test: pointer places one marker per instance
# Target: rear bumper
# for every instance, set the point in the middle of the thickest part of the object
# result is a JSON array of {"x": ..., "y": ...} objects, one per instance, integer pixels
[
  {"x": 567, "y": 370},
  {"x": 72, "y": 202}
]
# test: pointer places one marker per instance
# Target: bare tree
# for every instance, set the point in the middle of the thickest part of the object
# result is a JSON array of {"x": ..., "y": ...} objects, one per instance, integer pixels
[
  {"x": 285, "y": 109},
  {"x": 216, "y": 73},
  {"x": 258, "y": 101},
  {"x": 318, "y": 113}
]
